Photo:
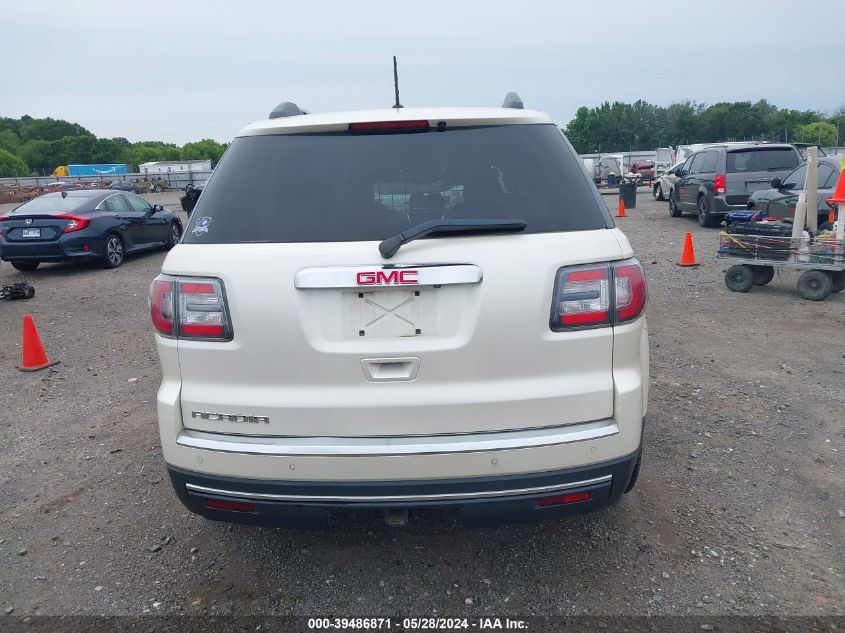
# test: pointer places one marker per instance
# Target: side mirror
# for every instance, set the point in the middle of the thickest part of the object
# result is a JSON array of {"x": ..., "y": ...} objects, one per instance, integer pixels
[
  {"x": 681, "y": 173},
  {"x": 776, "y": 183}
]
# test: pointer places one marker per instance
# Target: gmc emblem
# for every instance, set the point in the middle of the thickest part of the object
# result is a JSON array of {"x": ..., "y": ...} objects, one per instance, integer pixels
[{"x": 380, "y": 277}]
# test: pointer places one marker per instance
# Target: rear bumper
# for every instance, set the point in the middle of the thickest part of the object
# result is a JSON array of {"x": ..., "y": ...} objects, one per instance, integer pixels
[
  {"x": 720, "y": 206},
  {"x": 64, "y": 248},
  {"x": 479, "y": 500}
]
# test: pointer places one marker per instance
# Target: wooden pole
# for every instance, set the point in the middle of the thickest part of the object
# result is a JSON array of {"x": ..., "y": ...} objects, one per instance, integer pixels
[{"x": 800, "y": 215}]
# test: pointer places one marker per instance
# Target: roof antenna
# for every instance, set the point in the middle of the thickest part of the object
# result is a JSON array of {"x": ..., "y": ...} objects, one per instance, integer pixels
[
  {"x": 512, "y": 100},
  {"x": 397, "y": 105}
]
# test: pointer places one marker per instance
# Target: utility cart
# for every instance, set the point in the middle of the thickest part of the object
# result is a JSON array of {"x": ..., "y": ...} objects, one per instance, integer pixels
[{"x": 821, "y": 258}]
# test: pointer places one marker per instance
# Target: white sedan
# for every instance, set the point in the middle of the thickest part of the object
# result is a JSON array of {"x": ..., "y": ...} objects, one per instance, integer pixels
[{"x": 663, "y": 184}]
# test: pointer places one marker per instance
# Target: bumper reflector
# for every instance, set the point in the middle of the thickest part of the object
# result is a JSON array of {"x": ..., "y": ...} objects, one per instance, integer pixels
[
  {"x": 572, "y": 497},
  {"x": 225, "y": 504}
]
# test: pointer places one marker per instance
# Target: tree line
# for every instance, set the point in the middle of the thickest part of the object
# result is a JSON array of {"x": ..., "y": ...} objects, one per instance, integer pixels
[
  {"x": 37, "y": 146},
  {"x": 640, "y": 125},
  {"x": 30, "y": 146}
]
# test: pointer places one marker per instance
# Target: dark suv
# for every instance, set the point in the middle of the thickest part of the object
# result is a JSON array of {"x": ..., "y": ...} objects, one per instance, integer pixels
[{"x": 719, "y": 179}]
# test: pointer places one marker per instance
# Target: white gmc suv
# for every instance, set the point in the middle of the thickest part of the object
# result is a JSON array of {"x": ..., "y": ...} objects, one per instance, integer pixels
[{"x": 401, "y": 309}]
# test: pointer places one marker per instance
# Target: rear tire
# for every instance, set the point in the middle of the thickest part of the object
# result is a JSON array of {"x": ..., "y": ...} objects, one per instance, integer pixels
[
  {"x": 704, "y": 217},
  {"x": 113, "y": 251},
  {"x": 674, "y": 211},
  {"x": 739, "y": 278},
  {"x": 25, "y": 266},
  {"x": 838, "y": 281},
  {"x": 815, "y": 285},
  {"x": 763, "y": 275}
]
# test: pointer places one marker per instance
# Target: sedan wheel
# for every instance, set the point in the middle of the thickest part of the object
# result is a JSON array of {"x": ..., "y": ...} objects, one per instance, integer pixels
[
  {"x": 658, "y": 192},
  {"x": 113, "y": 252},
  {"x": 674, "y": 211},
  {"x": 173, "y": 236}
]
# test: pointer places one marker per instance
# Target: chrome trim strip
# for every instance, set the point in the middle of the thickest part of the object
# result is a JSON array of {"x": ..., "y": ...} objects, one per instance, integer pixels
[
  {"x": 391, "y": 446},
  {"x": 399, "y": 498},
  {"x": 424, "y": 275}
]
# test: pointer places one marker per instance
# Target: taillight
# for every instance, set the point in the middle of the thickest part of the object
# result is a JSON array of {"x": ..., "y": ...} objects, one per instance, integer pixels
[
  {"x": 2, "y": 218},
  {"x": 161, "y": 306},
  {"x": 190, "y": 308},
  {"x": 720, "y": 184},
  {"x": 598, "y": 295},
  {"x": 583, "y": 296},
  {"x": 75, "y": 223},
  {"x": 201, "y": 310},
  {"x": 630, "y": 290}
]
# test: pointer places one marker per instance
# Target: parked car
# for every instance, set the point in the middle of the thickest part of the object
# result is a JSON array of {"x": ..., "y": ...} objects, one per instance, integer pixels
[
  {"x": 401, "y": 309},
  {"x": 121, "y": 185},
  {"x": 803, "y": 147},
  {"x": 65, "y": 186},
  {"x": 644, "y": 170},
  {"x": 86, "y": 224},
  {"x": 779, "y": 201},
  {"x": 719, "y": 179},
  {"x": 663, "y": 185},
  {"x": 192, "y": 194}
]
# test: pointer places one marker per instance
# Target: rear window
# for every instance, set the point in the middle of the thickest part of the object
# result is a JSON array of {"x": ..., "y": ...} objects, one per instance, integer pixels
[
  {"x": 355, "y": 187},
  {"x": 56, "y": 203},
  {"x": 762, "y": 159}
]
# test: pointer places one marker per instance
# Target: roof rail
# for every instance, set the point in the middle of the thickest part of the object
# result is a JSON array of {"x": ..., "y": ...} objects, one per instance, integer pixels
[
  {"x": 512, "y": 100},
  {"x": 286, "y": 108}
]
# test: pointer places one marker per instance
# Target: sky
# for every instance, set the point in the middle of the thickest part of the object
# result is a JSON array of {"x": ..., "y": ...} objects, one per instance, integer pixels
[{"x": 182, "y": 70}]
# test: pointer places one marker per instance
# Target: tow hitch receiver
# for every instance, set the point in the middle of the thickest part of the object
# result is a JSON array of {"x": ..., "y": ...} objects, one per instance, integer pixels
[{"x": 396, "y": 516}]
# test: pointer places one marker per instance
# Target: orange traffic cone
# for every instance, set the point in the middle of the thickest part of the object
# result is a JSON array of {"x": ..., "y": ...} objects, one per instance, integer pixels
[
  {"x": 620, "y": 212},
  {"x": 34, "y": 357},
  {"x": 839, "y": 192},
  {"x": 838, "y": 199},
  {"x": 688, "y": 254}
]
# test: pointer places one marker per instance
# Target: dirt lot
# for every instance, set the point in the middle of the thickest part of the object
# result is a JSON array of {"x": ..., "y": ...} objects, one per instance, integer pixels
[{"x": 739, "y": 509}]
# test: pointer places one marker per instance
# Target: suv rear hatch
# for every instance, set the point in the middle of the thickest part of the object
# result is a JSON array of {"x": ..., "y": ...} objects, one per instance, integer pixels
[
  {"x": 752, "y": 168},
  {"x": 451, "y": 335}
]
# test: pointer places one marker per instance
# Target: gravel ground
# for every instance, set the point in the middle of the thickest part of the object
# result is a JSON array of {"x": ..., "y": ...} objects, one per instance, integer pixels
[{"x": 739, "y": 508}]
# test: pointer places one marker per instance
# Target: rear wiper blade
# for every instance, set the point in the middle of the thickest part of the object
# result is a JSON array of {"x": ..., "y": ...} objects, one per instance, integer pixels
[{"x": 389, "y": 246}]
